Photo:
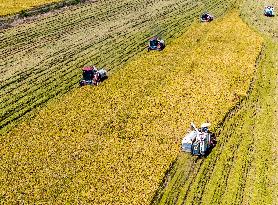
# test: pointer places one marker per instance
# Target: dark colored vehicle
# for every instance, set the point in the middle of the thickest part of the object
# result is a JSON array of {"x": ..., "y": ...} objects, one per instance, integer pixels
[
  {"x": 156, "y": 44},
  {"x": 206, "y": 17},
  {"x": 92, "y": 76}
]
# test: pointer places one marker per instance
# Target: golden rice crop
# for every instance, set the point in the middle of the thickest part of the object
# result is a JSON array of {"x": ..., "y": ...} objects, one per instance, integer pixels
[
  {"x": 9, "y": 7},
  {"x": 112, "y": 144}
]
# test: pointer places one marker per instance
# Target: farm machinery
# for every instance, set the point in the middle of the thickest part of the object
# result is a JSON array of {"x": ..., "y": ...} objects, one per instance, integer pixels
[
  {"x": 269, "y": 11},
  {"x": 156, "y": 44},
  {"x": 93, "y": 76},
  {"x": 199, "y": 141},
  {"x": 206, "y": 17}
]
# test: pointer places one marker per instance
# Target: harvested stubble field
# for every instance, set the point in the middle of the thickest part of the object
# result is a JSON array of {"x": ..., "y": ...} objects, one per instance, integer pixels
[
  {"x": 251, "y": 12},
  {"x": 112, "y": 144}
]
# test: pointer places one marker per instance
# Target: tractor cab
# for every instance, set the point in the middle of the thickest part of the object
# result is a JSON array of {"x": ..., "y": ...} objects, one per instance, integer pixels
[
  {"x": 92, "y": 76},
  {"x": 88, "y": 73},
  {"x": 153, "y": 42},
  {"x": 269, "y": 11},
  {"x": 199, "y": 141},
  {"x": 206, "y": 17},
  {"x": 156, "y": 44}
]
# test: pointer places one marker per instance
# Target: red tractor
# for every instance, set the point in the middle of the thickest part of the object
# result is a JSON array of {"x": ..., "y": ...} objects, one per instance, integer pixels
[{"x": 93, "y": 76}]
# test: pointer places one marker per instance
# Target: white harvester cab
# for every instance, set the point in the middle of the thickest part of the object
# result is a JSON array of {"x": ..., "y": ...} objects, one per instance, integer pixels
[
  {"x": 187, "y": 141},
  {"x": 198, "y": 141},
  {"x": 269, "y": 11}
]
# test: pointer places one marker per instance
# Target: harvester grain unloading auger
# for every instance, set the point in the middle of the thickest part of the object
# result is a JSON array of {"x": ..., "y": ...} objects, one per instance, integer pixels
[
  {"x": 269, "y": 11},
  {"x": 93, "y": 76},
  {"x": 200, "y": 141}
]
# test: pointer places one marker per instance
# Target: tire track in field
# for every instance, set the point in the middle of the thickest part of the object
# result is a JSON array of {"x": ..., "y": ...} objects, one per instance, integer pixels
[{"x": 182, "y": 173}]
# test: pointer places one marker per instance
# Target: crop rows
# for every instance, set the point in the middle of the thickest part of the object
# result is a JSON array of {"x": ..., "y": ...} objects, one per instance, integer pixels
[
  {"x": 241, "y": 169},
  {"x": 112, "y": 144},
  {"x": 43, "y": 59},
  {"x": 252, "y": 13},
  {"x": 10, "y": 7}
]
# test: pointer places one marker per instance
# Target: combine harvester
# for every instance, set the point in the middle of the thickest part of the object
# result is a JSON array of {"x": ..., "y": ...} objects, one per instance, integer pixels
[
  {"x": 206, "y": 17},
  {"x": 156, "y": 44},
  {"x": 269, "y": 11},
  {"x": 200, "y": 141},
  {"x": 93, "y": 76}
]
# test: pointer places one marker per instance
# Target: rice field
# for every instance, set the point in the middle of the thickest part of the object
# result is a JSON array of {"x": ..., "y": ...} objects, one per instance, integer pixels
[
  {"x": 10, "y": 7},
  {"x": 112, "y": 144},
  {"x": 242, "y": 168},
  {"x": 119, "y": 143},
  {"x": 41, "y": 60}
]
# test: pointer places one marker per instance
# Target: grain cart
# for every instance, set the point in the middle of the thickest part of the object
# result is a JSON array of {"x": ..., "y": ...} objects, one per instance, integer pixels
[
  {"x": 92, "y": 76},
  {"x": 156, "y": 44},
  {"x": 269, "y": 11},
  {"x": 199, "y": 141},
  {"x": 206, "y": 17}
]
